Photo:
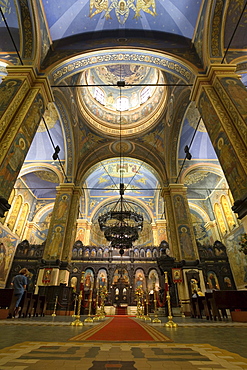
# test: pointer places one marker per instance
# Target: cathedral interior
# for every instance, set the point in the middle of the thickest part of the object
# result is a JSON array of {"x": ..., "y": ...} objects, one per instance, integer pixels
[{"x": 132, "y": 108}]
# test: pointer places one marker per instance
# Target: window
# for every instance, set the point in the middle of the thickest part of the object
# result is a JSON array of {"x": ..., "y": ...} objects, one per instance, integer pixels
[
  {"x": 122, "y": 104},
  {"x": 99, "y": 95},
  {"x": 145, "y": 94}
]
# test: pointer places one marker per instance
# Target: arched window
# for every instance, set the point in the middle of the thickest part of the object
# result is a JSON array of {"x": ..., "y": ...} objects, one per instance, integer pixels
[
  {"x": 99, "y": 95},
  {"x": 145, "y": 94},
  {"x": 22, "y": 220},
  {"x": 16, "y": 206},
  {"x": 220, "y": 219},
  {"x": 122, "y": 104},
  {"x": 227, "y": 212}
]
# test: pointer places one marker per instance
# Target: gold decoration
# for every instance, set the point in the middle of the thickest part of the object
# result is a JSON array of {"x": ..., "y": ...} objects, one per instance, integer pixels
[{"x": 169, "y": 323}]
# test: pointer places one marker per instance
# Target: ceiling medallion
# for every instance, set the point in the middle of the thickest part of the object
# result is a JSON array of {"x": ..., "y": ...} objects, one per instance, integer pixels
[{"x": 121, "y": 225}]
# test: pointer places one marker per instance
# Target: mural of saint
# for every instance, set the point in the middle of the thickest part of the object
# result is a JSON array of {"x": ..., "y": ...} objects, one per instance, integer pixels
[
  {"x": 55, "y": 242},
  {"x": 186, "y": 243},
  {"x": 212, "y": 280},
  {"x": 88, "y": 278}
]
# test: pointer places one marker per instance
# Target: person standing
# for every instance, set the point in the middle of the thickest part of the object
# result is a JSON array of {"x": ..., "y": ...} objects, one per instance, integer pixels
[{"x": 19, "y": 284}]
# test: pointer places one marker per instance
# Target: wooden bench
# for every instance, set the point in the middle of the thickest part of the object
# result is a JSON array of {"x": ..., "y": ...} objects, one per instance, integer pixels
[
  {"x": 222, "y": 300},
  {"x": 7, "y": 303}
]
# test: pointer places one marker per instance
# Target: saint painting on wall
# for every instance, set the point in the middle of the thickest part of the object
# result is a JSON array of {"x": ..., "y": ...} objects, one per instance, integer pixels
[
  {"x": 212, "y": 280},
  {"x": 153, "y": 280},
  {"x": 88, "y": 279},
  {"x": 102, "y": 278},
  {"x": 140, "y": 282},
  {"x": 177, "y": 276}
]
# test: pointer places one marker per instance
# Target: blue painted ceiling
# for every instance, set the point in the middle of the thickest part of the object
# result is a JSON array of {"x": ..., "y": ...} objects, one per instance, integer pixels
[{"x": 72, "y": 17}]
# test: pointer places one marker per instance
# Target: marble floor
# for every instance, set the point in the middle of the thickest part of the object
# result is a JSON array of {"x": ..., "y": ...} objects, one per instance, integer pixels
[{"x": 45, "y": 343}]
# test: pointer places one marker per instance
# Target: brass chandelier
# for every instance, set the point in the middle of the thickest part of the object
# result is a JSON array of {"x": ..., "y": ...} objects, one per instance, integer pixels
[{"x": 121, "y": 225}]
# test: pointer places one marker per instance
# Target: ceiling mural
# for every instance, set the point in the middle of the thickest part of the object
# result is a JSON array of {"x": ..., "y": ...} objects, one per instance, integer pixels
[
  {"x": 239, "y": 40},
  {"x": 41, "y": 147},
  {"x": 134, "y": 107},
  {"x": 199, "y": 142},
  {"x": 42, "y": 184},
  {"x": 103, "y": 181},
  {"x": 71, "y": 17},
  {"x": 8, "y": 8}
]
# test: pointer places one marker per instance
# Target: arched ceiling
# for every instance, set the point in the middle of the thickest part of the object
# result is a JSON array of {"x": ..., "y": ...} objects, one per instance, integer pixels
[
  {"x": 201, "y": 146},
  {"x": 102, "y": 182},
  {"x": 73, "y": 17},
  {"x": 105, "y": 27}
]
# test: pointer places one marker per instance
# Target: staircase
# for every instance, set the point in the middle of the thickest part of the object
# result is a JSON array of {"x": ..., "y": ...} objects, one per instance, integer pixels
[{"x": 121, "y": 311}]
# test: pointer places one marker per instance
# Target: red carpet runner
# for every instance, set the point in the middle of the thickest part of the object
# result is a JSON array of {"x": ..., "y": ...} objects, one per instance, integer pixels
[{"x": 122, "y": 329}]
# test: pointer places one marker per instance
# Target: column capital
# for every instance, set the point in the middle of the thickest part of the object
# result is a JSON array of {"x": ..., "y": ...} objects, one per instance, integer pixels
[
  {"x": 69, "y": 187},
  {"x": 30, "y": 73},
  {"x": 173, "y": 187},
  {"x": 208, "y": 78}
]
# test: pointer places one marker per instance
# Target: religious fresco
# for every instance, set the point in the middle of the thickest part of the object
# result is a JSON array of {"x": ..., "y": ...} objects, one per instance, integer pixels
[
  {"x": 238, "y": 260},
  {"x": 198, "y": 37},
  {"x": 153, "y": 280},
  {"x": 102, "y": 278},
  {"x": 88, "y": 141},
  {"x": 42, "y": 183},
  {"x": 88, "y": 279},
  {"x": 155, "y": 139},
  {"x": 8, "y": 8},
  {"x": 41, "y": 147},
  {"x": 186, "y": 242},
  {"x": 13, "y": 162},
  {"x": 212, "y": 280},
  {"x": 44, "y": 33},
  {"x": 140, "y": 280},
  {"x": 136, "y": 176},
  {"x": 55, "y": 243},
  {"x": 123, "y": 273},
  {"x": 38, "y": 235},
  {"x": 238, "y": 93},
  {"x": 80, "y": 234},
  {"x": 203, "y": 148},
  {"x": 105, "y": 107},
  {"x": 9, "y": 88},
  {"x": 232, "y": 19},
  {"x": 180, "y": 208},
  {"x": 203, "y": 236},
  {"x": 172, "y": 17},
  {"x": 225, "y": 152},
  {"x": 8, "y": 244}
]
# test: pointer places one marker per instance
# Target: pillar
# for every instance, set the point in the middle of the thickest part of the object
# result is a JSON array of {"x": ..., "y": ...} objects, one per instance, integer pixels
[
  {"x": 62, "y": 232},
  {"x": 23, "y": 98},
  {"x": 179, "y": 225},
  {"x": 221, "y": 99}
]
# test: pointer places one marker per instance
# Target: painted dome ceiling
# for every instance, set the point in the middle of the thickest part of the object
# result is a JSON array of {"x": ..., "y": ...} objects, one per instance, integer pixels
[
  {"x": 72, "y": 17},
  {"x": 132, "y": 108}
]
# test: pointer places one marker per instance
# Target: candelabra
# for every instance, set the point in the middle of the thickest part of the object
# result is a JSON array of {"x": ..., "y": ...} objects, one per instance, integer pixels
[
  {"x": 77, "y": 321},
  {"x": 169, "y": 323},
  {"x": 96, "y": 317},
  {"x": 89, "y": 319},
  {"x": 155, "y": 319},
  {"x": 147, "y": 318},
  {"x": 55, "y": 307},
  {"x": 102, "y": 304}
]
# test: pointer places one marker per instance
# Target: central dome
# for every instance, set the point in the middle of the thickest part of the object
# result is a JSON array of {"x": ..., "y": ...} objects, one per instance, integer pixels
[{"x": 131, "y": 108}]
